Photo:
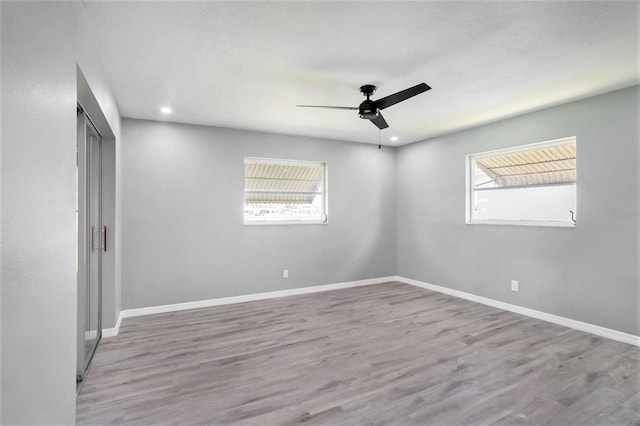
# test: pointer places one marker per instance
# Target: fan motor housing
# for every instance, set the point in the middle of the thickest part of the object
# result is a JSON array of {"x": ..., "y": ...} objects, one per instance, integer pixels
[{"x": 368, "y": 110}]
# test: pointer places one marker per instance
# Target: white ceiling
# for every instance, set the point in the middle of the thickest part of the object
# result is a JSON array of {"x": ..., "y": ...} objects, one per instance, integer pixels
[{"x": 247, "y": 64}]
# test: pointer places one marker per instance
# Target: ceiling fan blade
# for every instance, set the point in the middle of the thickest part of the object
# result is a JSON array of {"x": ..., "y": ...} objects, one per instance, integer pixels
[
  {"x": 402, "y": 95},
  {"x": 379, "y": 121},
  {"x": 326, "y": 106}
]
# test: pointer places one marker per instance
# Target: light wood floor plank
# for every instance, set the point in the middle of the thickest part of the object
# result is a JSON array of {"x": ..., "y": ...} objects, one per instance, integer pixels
[{"x": 381, "y": 354}]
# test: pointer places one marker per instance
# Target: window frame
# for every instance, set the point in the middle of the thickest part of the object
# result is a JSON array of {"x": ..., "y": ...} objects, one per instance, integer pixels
[
  {"x": 323, "y": 193},
  {"x": 470, "y": 190}
]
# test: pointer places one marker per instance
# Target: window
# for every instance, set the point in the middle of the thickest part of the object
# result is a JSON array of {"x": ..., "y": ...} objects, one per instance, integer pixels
[
  {"x": 284, "y": 191},
  {"x": 526, "y": 185}
]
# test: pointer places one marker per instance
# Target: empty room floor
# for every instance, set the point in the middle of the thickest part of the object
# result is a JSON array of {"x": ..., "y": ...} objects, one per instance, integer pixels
[{"x": 380, "y": 354}]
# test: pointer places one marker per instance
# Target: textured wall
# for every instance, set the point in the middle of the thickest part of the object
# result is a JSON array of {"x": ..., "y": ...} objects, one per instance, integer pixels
[
  {"x": 41, "y": 45},
  {"x": 183, "y": 232},
  {"x": 588, "y": 273}
]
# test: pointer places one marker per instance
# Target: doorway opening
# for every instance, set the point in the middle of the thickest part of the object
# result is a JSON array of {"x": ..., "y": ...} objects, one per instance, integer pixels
[{"x": 98, "y": 284}]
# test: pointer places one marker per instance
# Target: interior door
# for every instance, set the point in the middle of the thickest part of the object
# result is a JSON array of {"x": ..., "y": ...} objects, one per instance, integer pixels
[{"x": 91, "y": 242}]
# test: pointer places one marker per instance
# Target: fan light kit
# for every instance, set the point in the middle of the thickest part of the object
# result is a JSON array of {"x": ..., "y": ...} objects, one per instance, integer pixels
[{"x": 370, "y": 110}]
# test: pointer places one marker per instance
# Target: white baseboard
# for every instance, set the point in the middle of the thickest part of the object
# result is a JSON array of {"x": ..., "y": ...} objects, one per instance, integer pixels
[
  {"x": 567, "y": 322},
  {"x": 112, "y": 332}
]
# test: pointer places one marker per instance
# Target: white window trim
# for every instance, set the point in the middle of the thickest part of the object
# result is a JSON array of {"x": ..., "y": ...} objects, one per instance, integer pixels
[
  {"x": 469, "y": 158},
  {"x": 285, "y": 222},
  {"x": 325, "y": 207},
  {"x": 543, "y": 223}
]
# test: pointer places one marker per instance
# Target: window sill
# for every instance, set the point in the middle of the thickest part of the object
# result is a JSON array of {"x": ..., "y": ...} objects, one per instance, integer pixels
[
  {"x": 287, "y": 222},
  {"x": 539, "y": 223}
]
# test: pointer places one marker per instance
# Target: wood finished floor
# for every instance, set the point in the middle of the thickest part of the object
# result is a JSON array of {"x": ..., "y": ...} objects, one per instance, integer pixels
[{"x": 381, "y": 355}]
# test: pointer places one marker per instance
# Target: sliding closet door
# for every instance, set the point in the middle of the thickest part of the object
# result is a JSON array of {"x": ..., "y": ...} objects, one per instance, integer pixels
[{"x": 92, "y": 241}]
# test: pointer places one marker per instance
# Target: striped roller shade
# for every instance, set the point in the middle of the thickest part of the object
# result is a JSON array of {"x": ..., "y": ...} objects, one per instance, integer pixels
[
  {"x": 281, "y": 183},
  {"x": 544, "y": 166}
]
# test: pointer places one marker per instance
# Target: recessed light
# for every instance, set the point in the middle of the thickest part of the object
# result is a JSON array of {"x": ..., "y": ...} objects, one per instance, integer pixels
[
  {"x": 393, "y": 138},
  {"x": 165, "y": 110}
]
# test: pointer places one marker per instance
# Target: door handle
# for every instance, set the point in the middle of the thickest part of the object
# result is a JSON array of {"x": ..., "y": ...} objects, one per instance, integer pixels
[{"x": 104, "y": 237}]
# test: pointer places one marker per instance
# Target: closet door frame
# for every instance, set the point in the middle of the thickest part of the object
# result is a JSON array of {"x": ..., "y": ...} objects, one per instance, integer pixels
[{"x": 92, "y": 239}]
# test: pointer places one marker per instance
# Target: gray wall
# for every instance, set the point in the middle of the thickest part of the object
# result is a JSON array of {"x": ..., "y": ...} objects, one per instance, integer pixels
[
  {"x": 588, "y": 273},
  {"x": 183, "y": 232},
  {"x": 41, "y": 45}
]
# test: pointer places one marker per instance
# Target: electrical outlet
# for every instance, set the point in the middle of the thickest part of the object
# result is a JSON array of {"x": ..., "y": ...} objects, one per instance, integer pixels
[
  {"x": 514, "y": 285},
  {"x": 285, "y": 273}
]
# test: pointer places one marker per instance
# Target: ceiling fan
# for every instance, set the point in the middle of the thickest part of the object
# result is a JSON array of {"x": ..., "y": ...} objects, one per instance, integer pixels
[{"x": 370, "y": 109}]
